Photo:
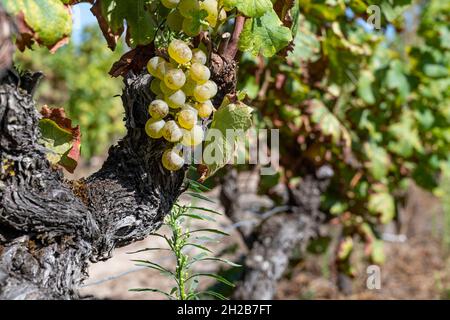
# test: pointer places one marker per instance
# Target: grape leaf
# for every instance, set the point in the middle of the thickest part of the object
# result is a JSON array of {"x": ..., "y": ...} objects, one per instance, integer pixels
[
  {"x": 63, "y": 140},
  {"x": 47, "y": 22},
  {"x": 382, "y": 203},
  {"x": 218, "y": 146},
  {"x": 250, "y": 8},
  {"x": 112, "y": 14},
  {"x": 265, "y": 35},
  {"x": 329, "y": 124},
  {"x": 378, "y": 162}
]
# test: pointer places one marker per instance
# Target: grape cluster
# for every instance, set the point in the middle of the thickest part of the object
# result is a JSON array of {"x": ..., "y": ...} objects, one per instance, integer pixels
[
  {"x": 183, "y": 94},
  {"x": 181, "y": 18}
]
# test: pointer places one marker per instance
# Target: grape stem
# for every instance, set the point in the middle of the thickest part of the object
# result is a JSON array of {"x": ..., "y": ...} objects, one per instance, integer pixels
[{"x": 230, "y": 50}]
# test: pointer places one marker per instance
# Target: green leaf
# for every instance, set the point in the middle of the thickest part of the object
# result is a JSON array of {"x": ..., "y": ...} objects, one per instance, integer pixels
[
  {"x": 214, "y": 294},
  {"x": 329, "y": 124},
  {"x": 152, "y": 290},
  {"x": 234, "y": 118},
  {"x": 205, "y": 209},
  {"x": 265, "y": 35},
  {"x": 382, "y": 203},
  {"x": 435, "y": 71},
  {"x": 396, "y": 79},
  {"x": 377, "y": 252},
  {"x": 141, "y": 23},
  {"x": 378, "y": 162},
  {"x": 199, "y": 196},
  {"x": 406, "y": 136},
  {"x": 215, "y": 276},
  {"x": 250, "y": 8},
  {"x": 58, "y": 136},
  {"x": 216, "y": 259},
  {"x": 210, "y": 230},
  {"x": 49, "y": 22},
  {"x": 197, "y": 246},
  {"x": 365, "y": 87}
]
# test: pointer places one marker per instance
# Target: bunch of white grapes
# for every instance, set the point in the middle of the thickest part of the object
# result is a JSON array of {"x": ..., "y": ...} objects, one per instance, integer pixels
[
  {"x": 181, "y": 18},
  {"x": 183, "y": 95}
]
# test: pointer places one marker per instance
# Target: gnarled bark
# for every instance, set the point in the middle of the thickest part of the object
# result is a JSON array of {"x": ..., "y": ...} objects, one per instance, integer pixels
[
  {"x": 272, "y": 241},
  {"x": 50, "y": 228}
]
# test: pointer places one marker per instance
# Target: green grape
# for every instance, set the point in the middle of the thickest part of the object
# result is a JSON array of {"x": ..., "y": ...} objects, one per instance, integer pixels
[
  {"x": 190, "y": 28},
  {"x": 154, "y": 128},
  {"x": 192, "y": 137},
  {"x": 174, "y": 79},
  {"x": 180, "y": 51},
  {"x": 157, "y": 67},
  {"x": 176, "y": 99},
  {"x": 211, "y": 7},
  {"x": 205, "y": 91},
  {"x": 189, "y": 86},
  {"x": 187, "y": 118},
  {"x": 172, "y": 160},
  {"x": 165, "y": 89},
  {"x": 187, "y": 6},
  {"x": 158, "y": 109},
  {"x": 171, "y": 132},
  {"x": 170, "y": 3},
  {"x": 190, "y": 107},
  {"x": 199, "y": 73},
  {"x": 175, "y": 21},
  {"x": 204, "y": 109},
  {"x": 198, "y": 56},
  {"x": 155, "y": 87}
]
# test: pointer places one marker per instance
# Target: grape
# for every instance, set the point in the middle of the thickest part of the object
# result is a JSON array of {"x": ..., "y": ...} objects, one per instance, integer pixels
[
  {"x": 190, "y": 107},
  {"x": 205, "y": 91},
  {"x": 165, "y": 89},
  {"x": 211, "y": 7},
  {"x": 154, "y": 86},
  {"x": 199, "y": 73},
  {"x": 204, "y": 109},
  {"x": 198, "y": 56},
  {"x": 172, "y": 160},
  {"x": 156, "y": 67},
  {"x": 158, "y": 109},
  {"x": 189, "y": 86},
  {"x": 175, "y": 79},
  {"x": 192, "y": 137},
  {"x": 154, "y": 128},
  {"x": 187, "y": 118},
  {"x": 180, "y": 51},
  {"x": 187, "y": 6},
  {"x": 170, "y": 3},
  {"x": 171, "y": 132},
  {"x": 175, "y": 20},
  {"x": 176, "y": 99}
]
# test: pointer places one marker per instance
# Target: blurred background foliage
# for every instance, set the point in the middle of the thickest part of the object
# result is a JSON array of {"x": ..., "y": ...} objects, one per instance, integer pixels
[
  {"x": 373, "y": 104},
  {"x": 76, "y": 78}
]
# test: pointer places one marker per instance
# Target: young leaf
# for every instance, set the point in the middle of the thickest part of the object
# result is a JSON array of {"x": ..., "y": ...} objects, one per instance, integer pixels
[{"x": 264, "y": 35}]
